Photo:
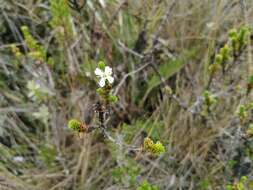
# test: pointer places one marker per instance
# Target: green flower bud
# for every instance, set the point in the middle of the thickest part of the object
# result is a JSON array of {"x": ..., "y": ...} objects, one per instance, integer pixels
[
  {"x": 234, "y": 42},
  {"x": 225, "y": 52},
  {"x": 36, "y": 55},
  {"x": 218, "y": 59},
  {"x": 243, "y": 33},
  {"x": 242, "y": 36},
  {"x": 225, "y": 49},
  {"x": 101, "y": 65},
  {"x": 25, "y": 30},
  {"x": 214, "y": 68},
  {"x": 209, "y": 99},
  {"x": 232, "y": 33},
  {"x": 206, "y": 94},
  {"x": 15, "y": 50}
]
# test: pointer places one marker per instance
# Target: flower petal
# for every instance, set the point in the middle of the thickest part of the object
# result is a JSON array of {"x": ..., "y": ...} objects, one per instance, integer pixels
[
  {"x": 110, "y": 79},
  {"x": 108, "y": 70},
  {"x": 102, "y": 82},
  {"x": 98, "y": 72}
]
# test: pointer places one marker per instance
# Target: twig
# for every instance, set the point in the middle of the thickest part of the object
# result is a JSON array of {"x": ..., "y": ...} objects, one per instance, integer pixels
[
  {"x": 127, "y": 75},
  {"x": 162, "y": 24},
  {"x": 195, "y": 108},
  {"x": 116, "y": 12},
  {"x": 130, "y": 50},
  {"x": 101, "y": 111},
  {"x": 129, "y": 148}
]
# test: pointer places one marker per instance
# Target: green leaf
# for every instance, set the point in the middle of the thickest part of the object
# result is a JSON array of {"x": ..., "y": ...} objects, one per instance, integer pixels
[{"x": 168, "y": 69}]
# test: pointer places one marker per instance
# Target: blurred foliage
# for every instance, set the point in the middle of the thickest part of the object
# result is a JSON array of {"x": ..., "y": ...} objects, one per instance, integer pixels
[{"x": 146, "y": 186}]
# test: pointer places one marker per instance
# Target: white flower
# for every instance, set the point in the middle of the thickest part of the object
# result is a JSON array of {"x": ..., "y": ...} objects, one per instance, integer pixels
[
  {"x": 32, "y": 87},
  {"x": 18, "y": 159},
  {"x": 104, "y": 75},
  {"x": 42, "y": 114},
  {"x": 37, "y": 89}
]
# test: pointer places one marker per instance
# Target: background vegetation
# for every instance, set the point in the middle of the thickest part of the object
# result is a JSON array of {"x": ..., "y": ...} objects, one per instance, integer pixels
[{"x": 169, "y": 82}]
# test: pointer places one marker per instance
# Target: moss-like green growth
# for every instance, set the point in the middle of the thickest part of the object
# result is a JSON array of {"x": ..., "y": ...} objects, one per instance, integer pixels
[
  {"x": 155, "y": 148},
  {"x": 159, "y": 148},
  {"x": 74, "y": 124}
]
